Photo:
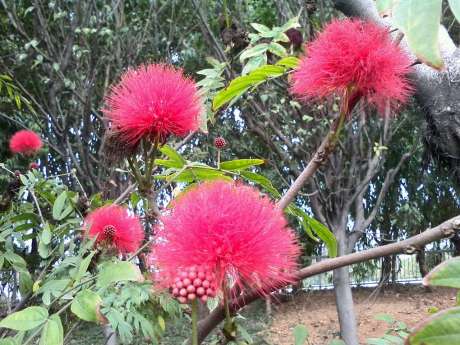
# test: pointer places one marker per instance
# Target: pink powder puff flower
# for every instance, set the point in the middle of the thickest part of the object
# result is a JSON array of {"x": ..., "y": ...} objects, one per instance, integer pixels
[
  {"x": 355, "y": 54},
  {"x": 26, "y": 142},
  {"x": 112, "y": 225},
  {"x": 233, "y": 231},
  {"x": 153, "y": 101}
]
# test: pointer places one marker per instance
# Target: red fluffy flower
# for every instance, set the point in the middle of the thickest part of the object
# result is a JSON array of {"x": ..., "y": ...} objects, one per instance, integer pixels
[
  {"x": 354, "y": 54},
  {"x": 25, "y": 142},
  {"x": 113, "y": 226},
  {"x": 153, "y": 101},
  {"x": 240, "y": 236}
]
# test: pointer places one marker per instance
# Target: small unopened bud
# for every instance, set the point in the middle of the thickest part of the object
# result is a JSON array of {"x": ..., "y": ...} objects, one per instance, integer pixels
[{"x": 220, "y": 143}]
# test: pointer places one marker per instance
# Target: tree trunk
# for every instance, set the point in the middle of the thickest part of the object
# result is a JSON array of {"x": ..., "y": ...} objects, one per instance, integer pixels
[
  {"x": 422, "y": 263},
  {"x": 345, "y": 307},
  {"x": 394, "y": 272},
  {"x": 344, "y": 298},
  {"x": 456, "y": 242},
  {"x": 385, "y": 271},
  {"x": 110, "y": 335}
]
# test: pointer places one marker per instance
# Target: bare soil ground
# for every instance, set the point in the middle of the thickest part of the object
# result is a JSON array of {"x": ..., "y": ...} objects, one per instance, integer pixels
[{"x": 316, "y": 310}]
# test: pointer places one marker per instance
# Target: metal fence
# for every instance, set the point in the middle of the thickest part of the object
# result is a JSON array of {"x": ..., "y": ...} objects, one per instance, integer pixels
[{"x": 403, "y": 268}]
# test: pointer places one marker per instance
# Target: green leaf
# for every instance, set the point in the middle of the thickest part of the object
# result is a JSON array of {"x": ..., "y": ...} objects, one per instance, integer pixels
[
  {"x": 420, "y": 21},
  {"x": 26, "y": 216},
  {"x": 161, "y": 323},
  {"x": 235, "y": 89},
  {"x": 325, "y": 235},
  {"x": 199, "y": 174},
  {"x": 289, "y": 61},
  {"x": 262, "y": 181},
  {"x": 85, "y": 305},
  {"x": 26, "y": 319},
  {"x": 441, "y": 329},
  {"x": 240, "y": 85},
  {"x": 377, "y": 341},
  {"x": 15, "y": 260},
  {"x": 43, "y": 250},
  {"x": 53, "y": 333},
  {"x": 300, "y": 335},
  {"x": 260, "y": 27},
  {"x": 277, "y": 49},
  {"x": 311, "y": 224},
  {"x": 25, "y": 282},
  {"x": 58, "y": 206},
  {"x": 173, "y": 155},
  {"x": 256, "y": 50},
  {"x": 393, "y": 339},
  {"x": 446, "y": 274},
  {"x": 291, "y": 24},
  {"x": 455, "y": 8},
  {"x": 46, "y": 234},
  {"x": 112, "y": 272},
  {"x": 337, "y": 342},
  {"x": 240, "y": 164},
  {"x": 83, "y": 267},
  {"x": 385, "y": 317},
  {"x": 254, "y": 63},
  {"x": 169, "y": 163}
]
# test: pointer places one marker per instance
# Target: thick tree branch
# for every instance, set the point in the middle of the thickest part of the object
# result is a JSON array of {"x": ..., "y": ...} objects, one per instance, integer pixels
[{"x": 446, "y": 229}]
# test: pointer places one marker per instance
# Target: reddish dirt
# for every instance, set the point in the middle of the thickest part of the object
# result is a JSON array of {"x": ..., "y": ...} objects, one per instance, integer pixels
[{"x": 316, "y": 310}]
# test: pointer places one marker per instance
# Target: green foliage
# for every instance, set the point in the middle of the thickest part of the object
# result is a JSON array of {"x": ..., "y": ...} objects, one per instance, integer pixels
[
  {"x": 12, "y": 93},
  {"x": 53, "y": 332},
  {"x": 300, "y": 335},
  {"x": 446, "y": 274},
  {"x": 256, "y": 53},
  {"x": 132, "y": 308},
  {"x": 420, "y": 20},
  {"x": 26, "y": 319},
  {"x": 442, "y": 328},
  {"x": 240, "y": 85},
  {"x": 85, "y": 304},
  {"x": 395, "y": 333},
  {"x": 113, "y": 272}
]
